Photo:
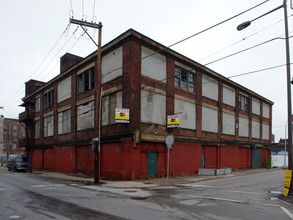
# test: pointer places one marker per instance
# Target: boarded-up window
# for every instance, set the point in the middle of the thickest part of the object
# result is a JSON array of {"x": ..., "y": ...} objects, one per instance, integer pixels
[
  {"x": 64, "y": 89},
  {"x": 209, "y": 120},
  {"x": 110, "y": 102},
  {"x": 112, "y": 65},
  {"x": 187, "y": 114},
  {"x": 265, "y": 131},
  {"x": 153, "y": 65},
  {"x": 153, "y": 107},
  {"x": 266, "y": 110},
  {"x": 64, "y": 122},
  {"x": 85, "y": 116},
  {"x": 255, "y": 129},
  {"x": 210, "y": 88},
  {"x": 255, "y": 107},
  {"x": 243, "y": 127},
  {"x": 228, "y": 123},
  {"x": 228, "y": 96},
  {"x": 49, "y": 126}
]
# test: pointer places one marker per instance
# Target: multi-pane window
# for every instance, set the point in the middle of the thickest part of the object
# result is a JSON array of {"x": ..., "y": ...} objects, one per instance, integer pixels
[
  {"x": 37, "y": 129},
  {"x": 85, "y": 81},
  {"x": 85, "y": 116},
  {"x": 37, "y": 104},
  {"x": 184, "y": 79},
  {"x": 110, "y": 103},
  {"x": 64, "y": 122},
  {"x": 48, "y": 126},
  {"x": 48, "y": 99},
  {"x": 243, "y": 103}
]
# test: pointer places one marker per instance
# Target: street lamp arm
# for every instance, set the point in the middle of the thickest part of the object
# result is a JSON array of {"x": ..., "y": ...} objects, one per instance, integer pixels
[{"x": 245, "y": 24}]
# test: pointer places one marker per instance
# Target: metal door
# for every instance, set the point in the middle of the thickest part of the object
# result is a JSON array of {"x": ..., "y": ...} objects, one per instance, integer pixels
[
  {"x": 152, "y": 164},
  {"x": 202, "y": 160},
  {"x": 256, "y": 158}
]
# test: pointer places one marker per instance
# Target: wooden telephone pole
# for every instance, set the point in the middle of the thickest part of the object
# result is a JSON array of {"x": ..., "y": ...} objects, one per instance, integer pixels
[{"x": 97, "y": 139}]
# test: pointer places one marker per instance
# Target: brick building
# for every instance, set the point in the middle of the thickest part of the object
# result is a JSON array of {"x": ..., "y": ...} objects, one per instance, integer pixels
[
  {"x": 11, "y": 132},
  {"x": 222, "y": 124}
]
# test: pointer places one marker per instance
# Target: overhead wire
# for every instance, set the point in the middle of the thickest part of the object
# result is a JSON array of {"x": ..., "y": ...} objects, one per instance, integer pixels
[
  {"x": 21, "y": 88},
  {"x": 184, "y": 38},
  {"x": 191, "y": 36}
]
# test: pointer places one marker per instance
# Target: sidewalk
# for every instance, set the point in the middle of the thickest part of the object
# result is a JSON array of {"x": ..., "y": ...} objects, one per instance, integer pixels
[{"x": 146, "y": 182}]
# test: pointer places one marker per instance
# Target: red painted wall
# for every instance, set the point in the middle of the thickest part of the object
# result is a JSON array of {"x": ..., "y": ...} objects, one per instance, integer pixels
[
  {"x": 186, "y": 159},
  {"x": 85, "y": 160},
  {"x": 211, "y": 157},
  {"x": 37, "y": 162},
  {"x": 65, "y": 159},
  {"x": 49, "y": 159}
]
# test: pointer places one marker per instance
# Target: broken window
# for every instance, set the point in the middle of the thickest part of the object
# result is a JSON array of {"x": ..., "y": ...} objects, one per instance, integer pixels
[
  {"x": 49, "y": 126},
  {"x": 64, "y": 122},
  {"x": 85, "y": 81},
  {"x": 85, "y": 116},
  {"x": 184, "y": 79}
]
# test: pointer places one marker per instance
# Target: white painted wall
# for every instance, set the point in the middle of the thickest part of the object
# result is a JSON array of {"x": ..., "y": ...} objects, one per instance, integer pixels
[
  {"x": 188, "y": 116},
  {"x": 64, "y": 89},
  {"x": 209, "y": 119},
  {"x": 243, "y": 126},
  {"x": 255, "y": 107},
  {"x": 266, "y": 110},
  {"x": 153, "y": 108},
  {"x": 111, "y": 62},
  {"x": 228, "y": 96},
  {"x": 154, "y": 66},
  {"x": 210, "y": 88},
  {"x": 265, "y": 131},
  {"x": 255, "y": 129},
  {"x": 228, "y": 123}
]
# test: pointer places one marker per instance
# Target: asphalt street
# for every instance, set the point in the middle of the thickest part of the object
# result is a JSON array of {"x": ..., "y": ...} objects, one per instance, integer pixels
[{"x": 251, "y": 196}]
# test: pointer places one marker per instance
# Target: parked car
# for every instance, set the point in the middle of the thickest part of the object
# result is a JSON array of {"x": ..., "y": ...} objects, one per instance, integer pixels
[{"x": 18, "y": 162}]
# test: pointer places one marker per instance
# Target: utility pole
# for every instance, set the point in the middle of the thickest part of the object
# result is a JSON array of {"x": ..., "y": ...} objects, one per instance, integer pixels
[{"x": 98, "y": 94}]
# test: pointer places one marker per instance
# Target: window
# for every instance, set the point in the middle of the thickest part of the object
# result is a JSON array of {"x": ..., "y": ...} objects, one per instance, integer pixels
[
  {"x": 85, "y": 81},
  {"x": 85, "y": 116},
  {"x": 37, "y": 104},
  {"x": 64, "y": 122},
  {"x": 243, "y": 103},
  {"x": 37, "y": 129},
  {"x": 48, "y": 99},
  {"x": 184, "y": 79},
  {"x": 110, "y": 102},
  {"x": 48, "y": 126}
]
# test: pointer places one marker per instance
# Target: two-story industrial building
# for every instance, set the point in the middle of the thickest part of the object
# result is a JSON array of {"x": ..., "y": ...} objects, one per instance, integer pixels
[{"x": 221, "y": 123}]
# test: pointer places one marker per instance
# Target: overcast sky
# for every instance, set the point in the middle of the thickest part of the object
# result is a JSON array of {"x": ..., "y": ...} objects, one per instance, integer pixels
[{"x": 33, "y": 38}]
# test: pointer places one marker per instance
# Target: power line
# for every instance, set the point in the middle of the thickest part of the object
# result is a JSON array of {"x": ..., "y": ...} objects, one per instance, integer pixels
[
  {"x": 187, "y": 38},
  {"x": 249, "y": 48}
]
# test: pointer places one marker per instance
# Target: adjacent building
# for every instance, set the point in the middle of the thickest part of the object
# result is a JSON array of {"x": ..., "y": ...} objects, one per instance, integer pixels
[
  {"x": 221, "y": 123},
  {"x": 11, "y": 132}
]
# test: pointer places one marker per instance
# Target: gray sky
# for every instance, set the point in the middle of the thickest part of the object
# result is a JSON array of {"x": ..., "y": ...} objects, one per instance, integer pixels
[{"x": 30, "y": 49}]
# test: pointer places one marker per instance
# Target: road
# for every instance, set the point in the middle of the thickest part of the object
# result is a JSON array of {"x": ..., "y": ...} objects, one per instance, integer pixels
[{"x": 254, "y": 196}]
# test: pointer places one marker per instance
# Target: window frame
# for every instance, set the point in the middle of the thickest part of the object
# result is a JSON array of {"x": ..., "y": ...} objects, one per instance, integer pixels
[
  {"x": 37, "y": 129},
  {"x": 49, "y": 126},
  {"x": 65, "y": 121},
  {"x": 48, "y": 99},
  {"x": 92, "y": 115},
  {"x": 184, "y": 79},
  {"x": 85, "y": 81},
  {"x": 243, "y": 103}
]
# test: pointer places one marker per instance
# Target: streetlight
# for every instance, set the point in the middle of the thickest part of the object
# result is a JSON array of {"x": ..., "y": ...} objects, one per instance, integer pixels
[{"x": 245, "y": 25}]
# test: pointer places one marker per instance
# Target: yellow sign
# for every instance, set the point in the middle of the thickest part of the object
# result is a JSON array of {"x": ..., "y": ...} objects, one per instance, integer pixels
[
  {"x": 121, "y": 115},
  {"x": 287, "y": 184},
  {"x": 173, "y": 121}
]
